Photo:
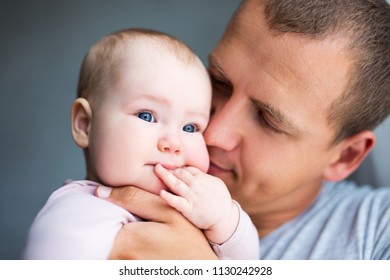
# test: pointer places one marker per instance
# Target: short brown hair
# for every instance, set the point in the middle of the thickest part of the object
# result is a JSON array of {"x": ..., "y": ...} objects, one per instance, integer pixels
[
  {"x": 366, "y": 25},
  {"x": 99, "y": 65}
]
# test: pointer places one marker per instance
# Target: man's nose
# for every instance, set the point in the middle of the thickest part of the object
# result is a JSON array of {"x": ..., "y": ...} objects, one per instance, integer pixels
[
  {"x": 225, "y": 127},
  {"x": 170, "y": 144}
]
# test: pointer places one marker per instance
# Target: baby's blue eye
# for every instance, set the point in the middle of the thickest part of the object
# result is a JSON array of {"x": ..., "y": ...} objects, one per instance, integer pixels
[
  {"x": 189, "y": 128},
  {"x": 146, "y": 116}
]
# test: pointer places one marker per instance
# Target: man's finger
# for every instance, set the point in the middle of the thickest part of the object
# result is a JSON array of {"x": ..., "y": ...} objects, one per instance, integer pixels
[{"x": 144, "y": 204}]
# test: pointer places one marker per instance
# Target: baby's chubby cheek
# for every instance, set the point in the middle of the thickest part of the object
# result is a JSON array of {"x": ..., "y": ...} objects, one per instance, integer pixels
[
  {"x": 201, "y": 161},
  {"x": 113, "y": 177}
]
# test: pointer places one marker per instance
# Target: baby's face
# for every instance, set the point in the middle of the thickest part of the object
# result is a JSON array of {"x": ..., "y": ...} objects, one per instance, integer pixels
[{"x": 155, "y": 112}]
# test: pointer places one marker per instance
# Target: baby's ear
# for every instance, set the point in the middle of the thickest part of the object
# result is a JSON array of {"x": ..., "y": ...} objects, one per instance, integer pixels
[{"x": 81, "y": 115}]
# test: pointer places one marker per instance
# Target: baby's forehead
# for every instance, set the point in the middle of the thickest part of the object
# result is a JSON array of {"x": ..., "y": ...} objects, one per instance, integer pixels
[
  {"x": 160, "y": 45},
  {"x": 150, "y": 63},
  {"x": 146, "y": 57},
  {"x": 149, "y": 76}
]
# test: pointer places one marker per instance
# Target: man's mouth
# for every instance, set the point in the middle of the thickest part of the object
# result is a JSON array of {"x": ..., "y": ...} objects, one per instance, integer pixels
[{"x": 216, "y": 168}]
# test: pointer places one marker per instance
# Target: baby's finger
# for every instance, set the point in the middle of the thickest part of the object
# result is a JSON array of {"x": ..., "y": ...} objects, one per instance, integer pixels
[
  {"x": 193, "y": 170},
  {"x": 177, "y": 202},
  {"x": 185, "y": 175},
  {"x": 172, "y": 181}
]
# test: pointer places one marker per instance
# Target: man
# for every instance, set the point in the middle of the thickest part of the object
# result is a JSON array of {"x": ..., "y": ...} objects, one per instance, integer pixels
[{"x": 298, "y": 87}]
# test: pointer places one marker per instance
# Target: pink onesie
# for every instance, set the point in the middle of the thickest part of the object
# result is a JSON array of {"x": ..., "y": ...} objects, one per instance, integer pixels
[{"x": 75, "y": 224}]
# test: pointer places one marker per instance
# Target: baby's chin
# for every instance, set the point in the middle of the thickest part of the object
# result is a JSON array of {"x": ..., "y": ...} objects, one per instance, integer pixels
[{"x": 151, "y": 184}]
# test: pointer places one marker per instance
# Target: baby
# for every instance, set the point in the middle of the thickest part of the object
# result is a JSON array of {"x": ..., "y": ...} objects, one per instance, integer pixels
[{"x": 143, "y": 103}]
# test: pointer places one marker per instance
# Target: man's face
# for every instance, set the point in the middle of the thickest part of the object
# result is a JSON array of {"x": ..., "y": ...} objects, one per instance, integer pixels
[
  {"x": 155, "y": 112},
  {"x": 269, "y": 138}
]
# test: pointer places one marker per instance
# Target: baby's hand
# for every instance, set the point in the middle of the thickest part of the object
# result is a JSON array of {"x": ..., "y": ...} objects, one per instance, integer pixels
[{"x": 203, "y": 199}]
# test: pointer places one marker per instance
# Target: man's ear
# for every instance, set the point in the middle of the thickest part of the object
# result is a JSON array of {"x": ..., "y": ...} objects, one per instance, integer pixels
[
  {"x": 81, "y": 115},
  {"x": 350, "y": 153}
]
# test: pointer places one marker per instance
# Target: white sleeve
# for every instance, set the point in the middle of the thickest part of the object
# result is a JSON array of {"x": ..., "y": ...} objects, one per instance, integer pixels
[
  {"x": 244, "y": 244},
  {"x": 75, "y": 224}
]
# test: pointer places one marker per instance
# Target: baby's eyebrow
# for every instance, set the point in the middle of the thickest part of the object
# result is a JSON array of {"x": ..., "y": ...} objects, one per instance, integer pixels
[
  {"x": 203, "y": 116},
  {"x": 165, "y": 102},
  {"x": 158, "y": 99}
]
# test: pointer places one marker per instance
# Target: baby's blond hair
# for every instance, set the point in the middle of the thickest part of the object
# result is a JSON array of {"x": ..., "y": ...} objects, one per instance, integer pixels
[{"x": 100, "y": 64}]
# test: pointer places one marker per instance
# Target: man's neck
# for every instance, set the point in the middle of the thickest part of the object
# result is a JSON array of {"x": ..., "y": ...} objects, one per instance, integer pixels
[{"x": 266, "y": 222}]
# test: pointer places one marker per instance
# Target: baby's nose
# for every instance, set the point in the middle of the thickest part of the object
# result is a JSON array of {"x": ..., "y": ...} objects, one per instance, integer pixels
[{"x": 170, "y": 145}]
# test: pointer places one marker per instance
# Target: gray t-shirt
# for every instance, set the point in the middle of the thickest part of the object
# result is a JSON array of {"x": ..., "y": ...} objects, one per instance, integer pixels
[{"x": 345, "y": 222}]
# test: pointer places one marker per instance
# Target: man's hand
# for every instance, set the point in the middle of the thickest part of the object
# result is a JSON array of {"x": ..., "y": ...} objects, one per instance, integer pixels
[{"x": 165, "y": 235}]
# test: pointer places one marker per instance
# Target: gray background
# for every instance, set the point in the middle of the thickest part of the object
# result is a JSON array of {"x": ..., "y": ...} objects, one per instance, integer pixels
[{"x": 42, "y": 45}]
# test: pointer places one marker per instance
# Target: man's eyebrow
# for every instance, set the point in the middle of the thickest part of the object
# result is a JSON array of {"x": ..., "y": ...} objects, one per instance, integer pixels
[
  {"x": 277, "y": 115},
  {"x": 214, "y": 65}
]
